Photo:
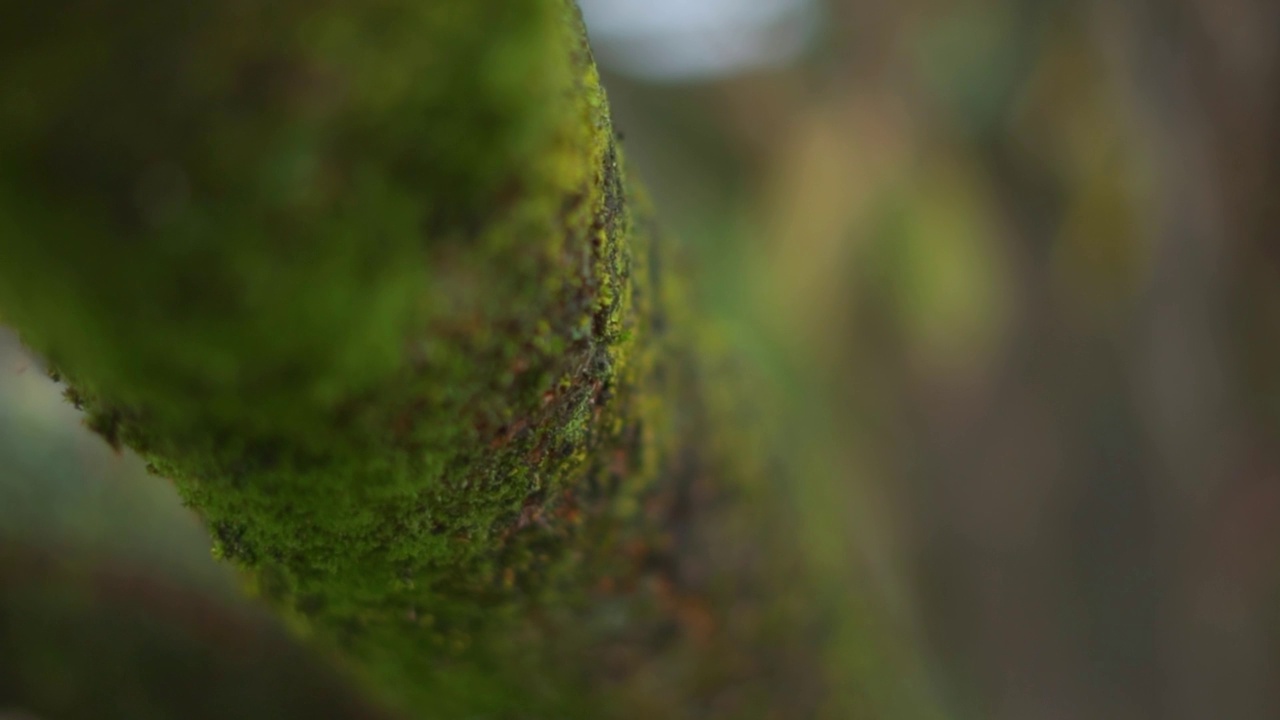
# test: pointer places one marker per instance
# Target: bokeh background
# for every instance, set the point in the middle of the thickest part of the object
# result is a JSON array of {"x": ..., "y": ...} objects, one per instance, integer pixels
[{"x": 1012, "y": 273}]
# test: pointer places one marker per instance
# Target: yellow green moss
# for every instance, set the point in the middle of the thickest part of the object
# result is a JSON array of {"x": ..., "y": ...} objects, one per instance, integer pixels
[
  {"x": 357, "y": 279},
  {"x": 365, "y": 281}
]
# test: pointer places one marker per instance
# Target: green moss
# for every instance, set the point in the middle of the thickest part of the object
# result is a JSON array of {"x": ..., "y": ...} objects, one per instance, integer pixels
[
  {"x": 360, "y": 280},
  {"x": 228, "y": 160},
  {"x": 365, "y": 281}
]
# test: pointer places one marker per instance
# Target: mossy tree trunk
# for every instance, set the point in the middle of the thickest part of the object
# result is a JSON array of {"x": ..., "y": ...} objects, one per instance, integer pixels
[{"x": 367, "y": 284}]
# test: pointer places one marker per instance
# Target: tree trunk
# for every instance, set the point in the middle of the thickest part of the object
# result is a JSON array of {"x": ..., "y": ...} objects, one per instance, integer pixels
[{"x": 369, "y": 286}]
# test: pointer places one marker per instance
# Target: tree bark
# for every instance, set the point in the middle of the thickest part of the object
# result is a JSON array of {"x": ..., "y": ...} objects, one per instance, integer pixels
[{"x": 370, "y": 287}]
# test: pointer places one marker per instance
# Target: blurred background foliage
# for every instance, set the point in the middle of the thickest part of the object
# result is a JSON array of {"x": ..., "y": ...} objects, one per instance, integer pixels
[{"x": 1009, "y": 270}]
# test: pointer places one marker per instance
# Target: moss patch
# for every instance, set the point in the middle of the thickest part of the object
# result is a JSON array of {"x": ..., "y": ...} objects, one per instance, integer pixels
[{"x": 359, "y": 281}]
